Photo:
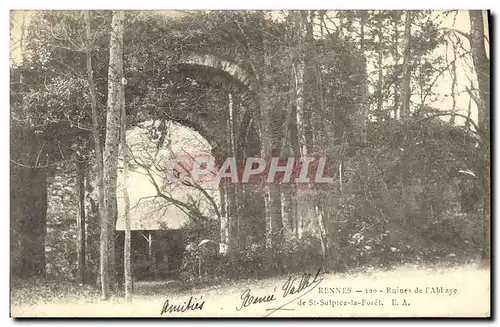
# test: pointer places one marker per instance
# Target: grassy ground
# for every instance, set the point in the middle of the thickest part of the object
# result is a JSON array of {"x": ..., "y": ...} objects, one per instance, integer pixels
[{"x": 471, "y": 282}]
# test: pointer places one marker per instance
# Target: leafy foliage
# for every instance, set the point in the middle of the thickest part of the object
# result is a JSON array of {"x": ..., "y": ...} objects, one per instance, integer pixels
[{"x": 407, "y": 197}]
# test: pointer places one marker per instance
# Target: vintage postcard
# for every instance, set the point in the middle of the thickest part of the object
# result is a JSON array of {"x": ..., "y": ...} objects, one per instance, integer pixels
[{"x": 312, "y": 163}]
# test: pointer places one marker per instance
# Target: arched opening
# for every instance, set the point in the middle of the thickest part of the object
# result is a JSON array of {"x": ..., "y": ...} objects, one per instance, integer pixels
[
  {"x": 163, "y": 209},
  {"x": 203, "y": 107}
]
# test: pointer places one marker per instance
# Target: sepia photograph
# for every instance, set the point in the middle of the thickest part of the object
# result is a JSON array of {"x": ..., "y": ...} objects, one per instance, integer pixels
[{"x": 250, "y": 163}]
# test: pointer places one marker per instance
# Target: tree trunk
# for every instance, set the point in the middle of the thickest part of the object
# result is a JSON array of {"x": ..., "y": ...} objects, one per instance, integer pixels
[
  {"x": 93, "y": 225},
  {"x": 309, "y": 116},
  {"x": 453, "y": 85},
  {"x": 233, "y": 188},
  {"x": 380, "y": 68},
  {"x": 97, "y": 144},
  {"x": 301, "y": 27},
  {"x": 103, "y": 259},
  {"x": 81, "y": 252},
  {"x": 395, "y": 54},
  {"x": 127, "y": 246},
  {"x": 110, "y": 157},
  {"x": 299, "y": 71},
  {"x": 112, "y": 245},
  {"x": 363, "y": 110},
  {"x": 266, "y": 152},
  {"x": 272, "y": 198},
  {"x": 266, "y": 137},
  {"x": 299, "y": 102},
  {"x": 482, "y": 68},
  {"x": 288, "y": 209},
  {"x": 224, "y": 224},
  {"x": 266, "y": 141},
  {"x": 322, "y": 233},
  {"x": 289, "y": 147},
  {"x": 406, "y": 78}
]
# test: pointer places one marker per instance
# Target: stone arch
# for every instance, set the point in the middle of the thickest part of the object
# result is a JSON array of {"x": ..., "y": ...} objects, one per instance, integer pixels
[
  {"x": 235, "y": 73},
  {"x": 229, "y": 67}
]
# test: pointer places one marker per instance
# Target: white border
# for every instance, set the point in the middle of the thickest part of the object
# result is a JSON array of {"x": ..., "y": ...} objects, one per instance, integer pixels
[{"x": 185, "y": 4}]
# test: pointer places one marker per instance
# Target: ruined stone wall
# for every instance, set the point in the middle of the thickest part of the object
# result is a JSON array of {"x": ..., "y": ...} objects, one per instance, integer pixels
[{"x": 62, "y": 215}]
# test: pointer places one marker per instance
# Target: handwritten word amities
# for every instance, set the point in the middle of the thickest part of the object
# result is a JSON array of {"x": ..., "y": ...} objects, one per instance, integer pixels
[{"x": 192, "y": 304}]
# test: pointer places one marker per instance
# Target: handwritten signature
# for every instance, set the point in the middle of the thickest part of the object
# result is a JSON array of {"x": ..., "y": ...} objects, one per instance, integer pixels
[
  {"x": 294, "y": 288},
  {"x": 248, "y": 299},
  {"x": 192, "y": 304}
]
